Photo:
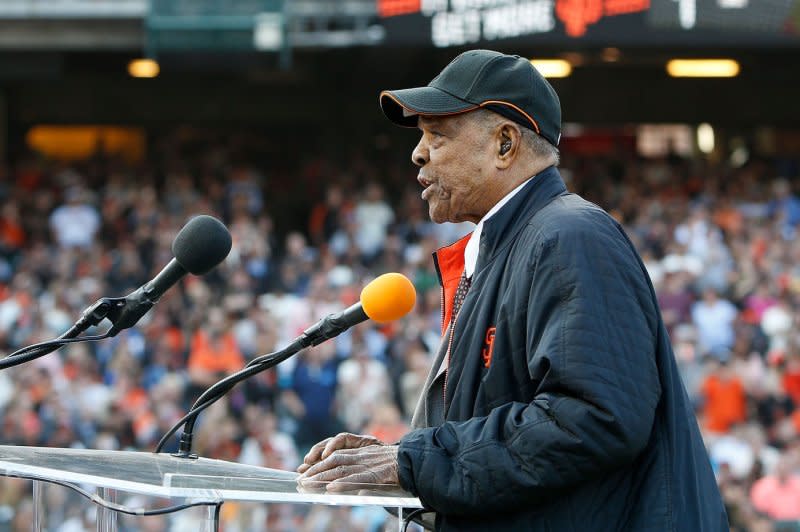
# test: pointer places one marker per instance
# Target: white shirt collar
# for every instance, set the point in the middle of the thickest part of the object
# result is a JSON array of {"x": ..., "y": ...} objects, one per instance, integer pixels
[{"x": 473, "y": 246}]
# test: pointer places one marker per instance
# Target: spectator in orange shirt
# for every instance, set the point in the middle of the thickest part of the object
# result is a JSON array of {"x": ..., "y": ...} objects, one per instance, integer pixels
[
  {"x": 214, "y": 352},
  {"x": 791, "y": 376},
  {"x": 724, "y": 398},
  {"x": 326, "y": 216},
  {"x": 12, "y": 233},
  {"x": 728, "y": 217}
]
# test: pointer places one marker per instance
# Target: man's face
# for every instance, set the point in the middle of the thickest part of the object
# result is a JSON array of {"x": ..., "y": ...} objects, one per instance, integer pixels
[{"x": 456, "y": 159}]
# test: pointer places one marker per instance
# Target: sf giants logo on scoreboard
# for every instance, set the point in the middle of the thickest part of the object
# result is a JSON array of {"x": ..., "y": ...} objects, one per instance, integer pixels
[{"x": 458, "y": 22}]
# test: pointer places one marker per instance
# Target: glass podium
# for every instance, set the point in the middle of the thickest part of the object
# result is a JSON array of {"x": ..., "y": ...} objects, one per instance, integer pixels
[{"x": 197, "y": 482}]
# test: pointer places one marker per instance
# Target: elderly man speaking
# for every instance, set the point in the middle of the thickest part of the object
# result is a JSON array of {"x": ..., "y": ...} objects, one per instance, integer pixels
[{"x": 554, "y": 402}]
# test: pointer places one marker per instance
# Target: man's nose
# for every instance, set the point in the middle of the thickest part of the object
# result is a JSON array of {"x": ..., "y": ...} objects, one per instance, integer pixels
[{"x": 420, "y": 154}]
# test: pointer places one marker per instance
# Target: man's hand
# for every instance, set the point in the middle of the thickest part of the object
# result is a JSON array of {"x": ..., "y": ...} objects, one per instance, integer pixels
[
  {"x": 343, "y": 440},
  {"x": 348, "y": 459}
]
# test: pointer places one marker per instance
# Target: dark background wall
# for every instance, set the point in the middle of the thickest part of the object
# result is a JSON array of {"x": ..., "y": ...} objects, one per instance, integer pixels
[{"x": 330, "y": 88}]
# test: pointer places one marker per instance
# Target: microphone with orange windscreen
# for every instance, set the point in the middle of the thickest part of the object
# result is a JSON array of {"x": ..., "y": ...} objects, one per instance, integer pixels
[{"x": 387, "y": 298}]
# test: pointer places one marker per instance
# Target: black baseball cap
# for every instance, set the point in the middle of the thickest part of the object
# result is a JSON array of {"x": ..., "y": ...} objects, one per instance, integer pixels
[{"x": 506, "y": 84}]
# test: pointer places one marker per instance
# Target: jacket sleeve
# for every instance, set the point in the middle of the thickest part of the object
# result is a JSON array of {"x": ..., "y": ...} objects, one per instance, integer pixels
[{"x": 591, "y": 343}]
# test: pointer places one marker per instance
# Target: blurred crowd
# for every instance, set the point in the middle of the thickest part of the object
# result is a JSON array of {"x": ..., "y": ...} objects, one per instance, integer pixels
[{"x": 719, "y": 242}]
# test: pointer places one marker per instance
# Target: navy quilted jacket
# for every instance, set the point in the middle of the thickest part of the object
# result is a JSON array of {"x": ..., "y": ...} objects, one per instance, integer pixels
[{"x": 564, "y": 408}]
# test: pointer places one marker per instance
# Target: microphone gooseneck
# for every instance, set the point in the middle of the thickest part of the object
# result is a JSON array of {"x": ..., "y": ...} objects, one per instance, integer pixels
[{"x": 387, "y": 298}]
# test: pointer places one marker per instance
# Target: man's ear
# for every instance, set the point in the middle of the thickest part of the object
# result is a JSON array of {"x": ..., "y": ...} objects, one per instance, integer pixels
[{"x": 508, "y": 139}]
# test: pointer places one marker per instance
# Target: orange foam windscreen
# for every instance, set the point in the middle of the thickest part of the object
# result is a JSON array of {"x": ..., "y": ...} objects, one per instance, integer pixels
[{"x": 388, "y": 297}]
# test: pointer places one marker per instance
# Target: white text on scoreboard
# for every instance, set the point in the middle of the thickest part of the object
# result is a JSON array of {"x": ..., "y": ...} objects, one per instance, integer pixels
[{"x": 460, "y": 22}]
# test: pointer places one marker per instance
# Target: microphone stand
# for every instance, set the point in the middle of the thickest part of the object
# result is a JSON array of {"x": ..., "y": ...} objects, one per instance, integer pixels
[
  {"x": 90, "y": 317},
  {"x": 217, "y": 391},
  {"x": 327, "y": 328},
  {"x": 122, "y": 312}
]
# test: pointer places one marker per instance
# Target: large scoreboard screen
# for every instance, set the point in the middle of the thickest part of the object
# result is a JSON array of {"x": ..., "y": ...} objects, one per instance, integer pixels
[{"x": 601, "y": 22}]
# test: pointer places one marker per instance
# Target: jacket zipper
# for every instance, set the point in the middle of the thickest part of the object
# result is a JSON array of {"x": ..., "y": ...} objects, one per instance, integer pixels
[{"x": 441, "y": 306}]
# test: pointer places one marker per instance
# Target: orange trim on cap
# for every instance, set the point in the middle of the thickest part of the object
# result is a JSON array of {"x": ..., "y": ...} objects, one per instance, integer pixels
[
  {"x": 398, "y": 102},
  {"x": 482, "y": 104},
  {"x": 501, "y": 102}
]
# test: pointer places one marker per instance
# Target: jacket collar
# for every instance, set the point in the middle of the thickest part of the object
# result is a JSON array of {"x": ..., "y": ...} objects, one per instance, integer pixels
[
  {"x": 508, "y": 221},
  {"x": 498, "y": 230},
  {"x": 449, "y": 262}
]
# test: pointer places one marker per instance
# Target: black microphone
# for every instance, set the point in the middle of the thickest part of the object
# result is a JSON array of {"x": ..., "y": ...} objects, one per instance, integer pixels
[{"x": 203, "y": 243}]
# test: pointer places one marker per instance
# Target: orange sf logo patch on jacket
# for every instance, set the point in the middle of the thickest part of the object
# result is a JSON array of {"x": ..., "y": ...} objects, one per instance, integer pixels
[{"x": 486, "y": 353}]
